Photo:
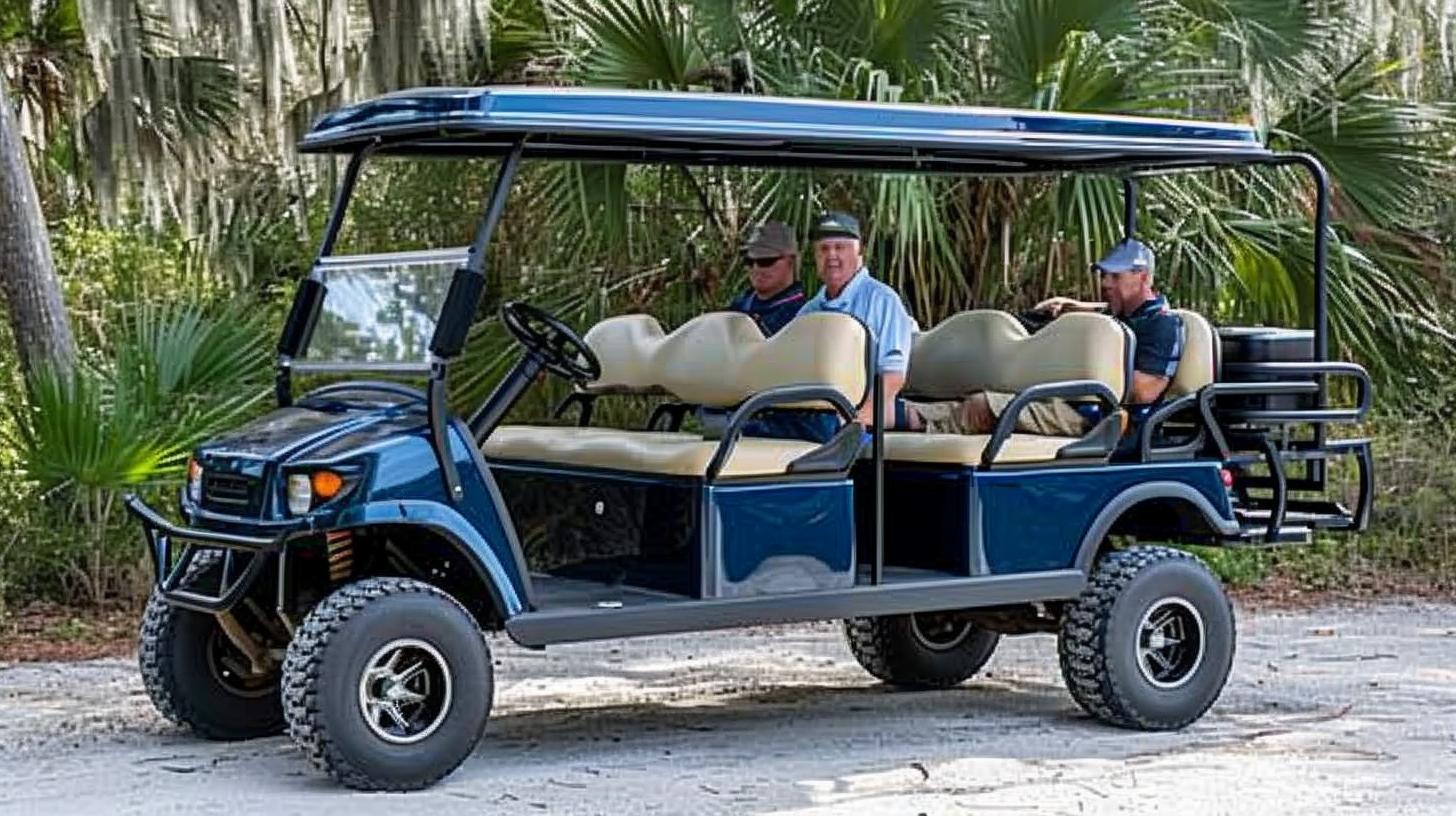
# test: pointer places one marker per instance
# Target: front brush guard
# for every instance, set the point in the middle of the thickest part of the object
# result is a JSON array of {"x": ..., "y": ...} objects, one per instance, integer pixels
[{"x": 162, "y": 536}]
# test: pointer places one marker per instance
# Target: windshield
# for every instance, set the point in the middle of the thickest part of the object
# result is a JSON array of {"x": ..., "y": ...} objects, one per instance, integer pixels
[{"x": 380, "y": 310}]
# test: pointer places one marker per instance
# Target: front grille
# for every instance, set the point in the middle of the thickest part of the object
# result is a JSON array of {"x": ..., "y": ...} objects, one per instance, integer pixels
[{"x": 229, "y": 493}]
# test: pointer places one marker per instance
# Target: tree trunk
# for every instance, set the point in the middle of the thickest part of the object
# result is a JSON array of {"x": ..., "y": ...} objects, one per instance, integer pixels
[{"x": 27, "y": 271}]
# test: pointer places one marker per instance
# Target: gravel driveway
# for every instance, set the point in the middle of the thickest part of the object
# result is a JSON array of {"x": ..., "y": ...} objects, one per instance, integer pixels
[{"x": 1338, "y": 710}]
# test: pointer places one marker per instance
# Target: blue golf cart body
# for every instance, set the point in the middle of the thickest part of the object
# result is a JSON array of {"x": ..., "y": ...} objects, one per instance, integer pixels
[{"x": 568, "y": 532}]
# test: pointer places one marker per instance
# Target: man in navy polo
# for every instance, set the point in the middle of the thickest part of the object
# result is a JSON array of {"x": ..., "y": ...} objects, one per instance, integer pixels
[
  {"x": 1126, "y": 277},
  {"x": 773, "y": 296}
]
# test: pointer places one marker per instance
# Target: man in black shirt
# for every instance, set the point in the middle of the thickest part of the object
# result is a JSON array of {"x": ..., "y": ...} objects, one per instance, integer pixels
[
  {"x": 1126, "y": 275},
  {"x": 773, "y": 296}
]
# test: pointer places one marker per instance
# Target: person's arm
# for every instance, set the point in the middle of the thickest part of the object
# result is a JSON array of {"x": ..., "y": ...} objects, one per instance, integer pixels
[
  {"x": 1058, "y": 305},
  {"x": 1159, "y": 348},
  {"x": 894, "y": 381},
  {"x": 1146, "y": 388}
]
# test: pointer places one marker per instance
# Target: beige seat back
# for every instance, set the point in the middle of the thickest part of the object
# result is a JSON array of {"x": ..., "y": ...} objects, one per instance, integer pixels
[
  {"x": 722, "y": 358},
  {"x": 623, "y": 345},
  {"x": 987, "y": 350},
  {"x": 1198, "y": 365}
]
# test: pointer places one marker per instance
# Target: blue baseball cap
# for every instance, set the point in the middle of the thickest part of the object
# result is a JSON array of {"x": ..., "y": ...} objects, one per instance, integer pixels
[{"x": 1128, "y": 256}]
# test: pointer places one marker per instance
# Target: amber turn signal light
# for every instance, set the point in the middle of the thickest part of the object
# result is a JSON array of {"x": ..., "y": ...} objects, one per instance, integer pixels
[{"x": 326, "y": 484}]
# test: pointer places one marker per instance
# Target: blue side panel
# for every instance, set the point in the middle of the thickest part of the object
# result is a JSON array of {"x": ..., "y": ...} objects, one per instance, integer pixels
[
  {"x": 780, "y": 538},
  {"x": 1035, "y": 519},
  {"x": 406, "y": 488}
]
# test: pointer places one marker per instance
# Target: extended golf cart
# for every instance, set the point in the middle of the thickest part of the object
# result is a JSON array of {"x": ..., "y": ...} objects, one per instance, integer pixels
[{"x": 341, "y": 556}]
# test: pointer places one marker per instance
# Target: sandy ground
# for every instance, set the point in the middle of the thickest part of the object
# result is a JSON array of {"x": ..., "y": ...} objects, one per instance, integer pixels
[{"x": 1339, "y": 710}]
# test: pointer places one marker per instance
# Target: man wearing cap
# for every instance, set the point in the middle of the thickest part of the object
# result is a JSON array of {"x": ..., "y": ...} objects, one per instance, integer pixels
[
  {"x": 773, "y": 296},
  {"x": 850, "y": 289},
  {"x": 1126, "y": 276}
]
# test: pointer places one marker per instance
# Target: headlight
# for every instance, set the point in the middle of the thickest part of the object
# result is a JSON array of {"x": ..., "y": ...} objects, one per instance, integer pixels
[
  {"x": 194, "y": 481},
  {"x": 307, "y": 489},
  {"x": 300, "y": 494}
]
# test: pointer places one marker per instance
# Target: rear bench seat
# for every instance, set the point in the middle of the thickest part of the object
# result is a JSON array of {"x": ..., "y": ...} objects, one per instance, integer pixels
[
  {"x": 718, "y": 359},
  {"x": 986, "y": 350}
]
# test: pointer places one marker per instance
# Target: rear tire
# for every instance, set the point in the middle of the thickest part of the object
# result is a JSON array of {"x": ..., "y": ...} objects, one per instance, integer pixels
[
  {"x": 387, "y": 685},
  {"x": 920, "y": 651},
  {"x": 1150, "y": 642},
  {"x": 198, "y": 679}
]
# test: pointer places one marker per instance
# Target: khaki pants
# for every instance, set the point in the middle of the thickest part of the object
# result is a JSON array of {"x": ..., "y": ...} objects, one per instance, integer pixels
[{"x": 1052, "y": 417}]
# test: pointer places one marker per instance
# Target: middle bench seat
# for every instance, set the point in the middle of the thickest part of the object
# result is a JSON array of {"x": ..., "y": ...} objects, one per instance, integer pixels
[
  {"x": 987, "y": 350},
  {"x": 718, "y": 359}
]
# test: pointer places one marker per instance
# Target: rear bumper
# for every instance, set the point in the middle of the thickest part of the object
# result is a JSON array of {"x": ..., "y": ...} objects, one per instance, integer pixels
[{"x": 243, "y": 558}]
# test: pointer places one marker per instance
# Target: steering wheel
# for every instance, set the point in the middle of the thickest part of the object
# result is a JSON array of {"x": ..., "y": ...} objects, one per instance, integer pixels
[{"x": 560, "y": 349}]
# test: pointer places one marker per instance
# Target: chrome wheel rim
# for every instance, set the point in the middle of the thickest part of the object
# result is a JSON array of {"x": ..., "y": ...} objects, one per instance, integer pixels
[
  {"x": 405, "y": 691},
  {"x": 939, "y": 631},
  {"x": 1170, "y": 642}
]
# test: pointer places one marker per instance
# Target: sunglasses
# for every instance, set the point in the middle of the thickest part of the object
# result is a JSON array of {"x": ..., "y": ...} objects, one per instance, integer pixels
[{"x": 763, "y": 263}]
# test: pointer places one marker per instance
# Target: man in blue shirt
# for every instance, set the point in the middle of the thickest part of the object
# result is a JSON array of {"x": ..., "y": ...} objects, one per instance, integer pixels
[
  {"x": 1126, "y": 276},
  {"x": 773, "y": 296},
  {"x": 850, "y": 289}
]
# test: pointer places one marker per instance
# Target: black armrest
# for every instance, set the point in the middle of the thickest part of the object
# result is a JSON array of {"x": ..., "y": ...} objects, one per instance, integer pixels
[
  {"x": 586, "y": 400},
  {"x": 1165, "y": 412},
  {"x": 673, "y": 412},
  {"x": 1067, "y": 389},
  {"x": 782, "y": 395}
]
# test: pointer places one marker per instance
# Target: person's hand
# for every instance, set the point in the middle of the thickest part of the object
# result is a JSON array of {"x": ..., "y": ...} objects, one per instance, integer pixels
[{"x": 1055, "y": 306}]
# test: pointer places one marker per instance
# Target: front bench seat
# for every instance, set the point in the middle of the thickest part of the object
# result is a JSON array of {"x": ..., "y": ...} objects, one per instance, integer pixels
[
  {"x": 718, "y": 359},
  {"x": 663, "y": 453},
  {"x": 989, "y": 350}
]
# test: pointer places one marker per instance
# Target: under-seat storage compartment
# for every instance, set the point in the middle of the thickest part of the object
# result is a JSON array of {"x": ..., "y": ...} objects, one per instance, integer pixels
[
  {"x": 618, "y": 530},
  {"x": 772, "y": 538},
  {"x": 683, "y": 536}
]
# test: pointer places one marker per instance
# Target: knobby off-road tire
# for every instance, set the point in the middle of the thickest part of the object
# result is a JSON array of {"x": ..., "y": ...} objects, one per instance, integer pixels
[
  {"x": 1150, "y": 642},
  {"x": 924, "y": 651},
  {"x": 372, "y": 639},
  {"x": 194, "y": 675}
]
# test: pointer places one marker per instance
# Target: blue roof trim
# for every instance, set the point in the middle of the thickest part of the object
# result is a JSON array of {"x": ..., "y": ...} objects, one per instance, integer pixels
[{"x": 589, "y": 118}]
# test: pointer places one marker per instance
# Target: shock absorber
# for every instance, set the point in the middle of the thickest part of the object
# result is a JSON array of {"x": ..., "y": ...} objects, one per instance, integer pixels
[{"x": 341, "y": 555}]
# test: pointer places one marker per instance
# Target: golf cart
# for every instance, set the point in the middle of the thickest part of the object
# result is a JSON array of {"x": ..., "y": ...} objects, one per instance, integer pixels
[{"x": 340, "y": 557}]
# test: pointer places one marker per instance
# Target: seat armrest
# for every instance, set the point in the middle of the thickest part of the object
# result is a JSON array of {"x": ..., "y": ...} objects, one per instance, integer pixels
[
  {"x": 1066, "y": 389},
  {"x": 763, "y": 400}
]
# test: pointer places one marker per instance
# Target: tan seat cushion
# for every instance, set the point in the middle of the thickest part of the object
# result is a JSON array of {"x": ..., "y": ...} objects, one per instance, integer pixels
[
  {"x": 987, "y": 350},
  {"x": 1199, "y": 364},
  {"x": 722, "y": 358},
  {"x": 957, "y": 449},
  {"x": 656, "y": 452}
]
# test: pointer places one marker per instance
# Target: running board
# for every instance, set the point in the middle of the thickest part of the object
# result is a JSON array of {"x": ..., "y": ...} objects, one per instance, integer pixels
[{"x": 534, "y": 629}]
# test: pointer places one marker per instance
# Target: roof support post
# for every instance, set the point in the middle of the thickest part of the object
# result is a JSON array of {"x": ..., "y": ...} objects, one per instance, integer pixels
[
  {"x": 1321, "y": 180},
  {"x": 1129, "y": 207},
  {"x": 456, "y": 316}
]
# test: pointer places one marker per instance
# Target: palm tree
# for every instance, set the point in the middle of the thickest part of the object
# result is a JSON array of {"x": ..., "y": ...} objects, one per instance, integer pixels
[{"x": 1236, "y": 245}]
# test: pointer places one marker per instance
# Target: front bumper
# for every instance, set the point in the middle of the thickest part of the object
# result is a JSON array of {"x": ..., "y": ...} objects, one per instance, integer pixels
[{"x": 243, "y": 558}]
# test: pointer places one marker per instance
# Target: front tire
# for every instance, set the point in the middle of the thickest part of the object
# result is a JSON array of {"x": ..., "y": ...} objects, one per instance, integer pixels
[
  {"x": 1150, "y": 642},
  {"x": 387, "y": 685},
  {"x": 199, "y": 680},
  {"x": 935, "y": 650}
]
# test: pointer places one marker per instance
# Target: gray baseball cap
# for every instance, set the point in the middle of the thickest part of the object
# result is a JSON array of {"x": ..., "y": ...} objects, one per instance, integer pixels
[
  {"x": 771, "y": 239},
  {"x": 1128, "y": 256}
]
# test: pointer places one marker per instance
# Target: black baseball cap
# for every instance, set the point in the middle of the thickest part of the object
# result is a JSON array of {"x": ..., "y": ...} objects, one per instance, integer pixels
[{"x": 835, "y": 224}]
